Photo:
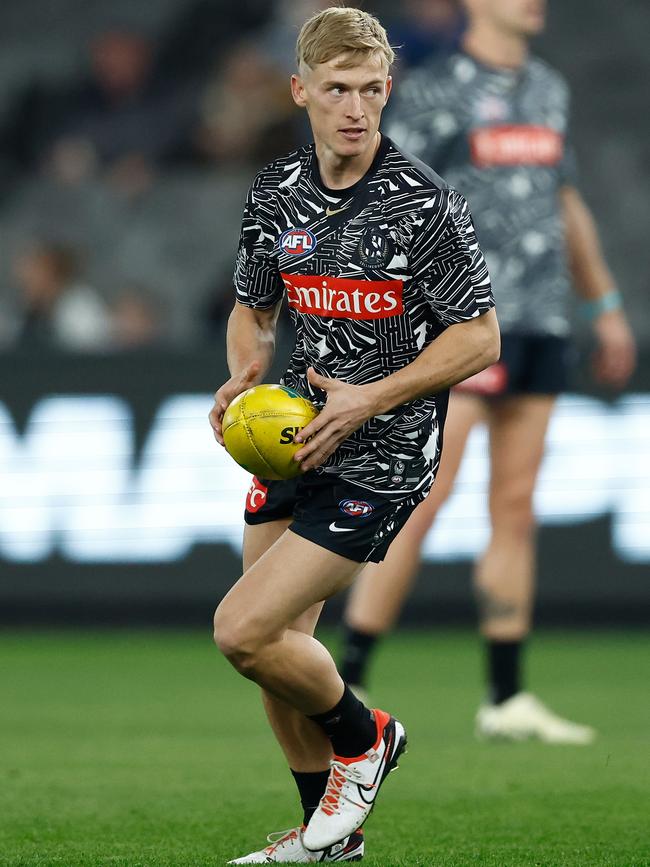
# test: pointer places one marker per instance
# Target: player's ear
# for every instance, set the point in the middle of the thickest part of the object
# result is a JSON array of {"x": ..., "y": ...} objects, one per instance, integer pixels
[
  {"x": 389, "y": 87},
  {"x": 298, "y": 90}
]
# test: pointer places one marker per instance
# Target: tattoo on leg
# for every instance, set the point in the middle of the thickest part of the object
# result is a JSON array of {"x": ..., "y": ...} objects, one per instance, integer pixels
[{"x": 491, "y": 608}]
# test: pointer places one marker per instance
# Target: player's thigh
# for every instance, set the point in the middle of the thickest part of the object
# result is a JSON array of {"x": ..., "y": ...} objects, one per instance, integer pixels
[
  {"x": 517, "y": 427},
  {"x": 258, "y": 538},
  {"x": 465, "y": 411},
  {"x": 281, "y": 588}
]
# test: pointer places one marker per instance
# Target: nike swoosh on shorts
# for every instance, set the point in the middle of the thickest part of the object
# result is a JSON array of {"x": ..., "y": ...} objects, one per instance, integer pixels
[{"x": 335, "y": 529}]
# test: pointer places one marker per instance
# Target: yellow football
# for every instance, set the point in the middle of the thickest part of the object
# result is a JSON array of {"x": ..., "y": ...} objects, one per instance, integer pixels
[{"x": 259, "y": 427}]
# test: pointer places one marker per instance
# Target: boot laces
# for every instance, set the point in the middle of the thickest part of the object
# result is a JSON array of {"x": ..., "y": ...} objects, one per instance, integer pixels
[
  {"x": 340, "y": 774},
  {"x": 278, "y": 839}
]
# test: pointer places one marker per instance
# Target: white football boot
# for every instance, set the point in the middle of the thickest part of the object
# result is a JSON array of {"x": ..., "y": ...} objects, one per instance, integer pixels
[
  {"x": 524, "y": 716},
  {"x": 353, "y": 785},
  {"x": 286, "y": 847}
]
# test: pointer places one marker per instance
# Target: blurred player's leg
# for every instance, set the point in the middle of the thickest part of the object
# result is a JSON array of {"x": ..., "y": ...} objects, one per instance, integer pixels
[
  {"x": 379, "y": 592},
  {"x": 505, "y": 575}
]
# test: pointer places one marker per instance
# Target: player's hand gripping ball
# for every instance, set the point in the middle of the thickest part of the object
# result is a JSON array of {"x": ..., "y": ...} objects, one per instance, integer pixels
[{"x": 259, "y": 427}]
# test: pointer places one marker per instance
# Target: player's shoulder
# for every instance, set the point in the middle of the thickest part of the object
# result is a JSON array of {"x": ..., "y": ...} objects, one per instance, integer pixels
[
  {"x": 408, "y": 172},
  {"x": 284, "y": 170},
  {"x": 428, "y": 193},
  {"x": 546, "y": 75}
]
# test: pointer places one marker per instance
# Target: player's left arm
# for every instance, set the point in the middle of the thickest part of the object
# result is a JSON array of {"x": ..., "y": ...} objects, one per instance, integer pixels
[
  {"x": 460, "y": 351},
  {"x": 615, "y": 356}
]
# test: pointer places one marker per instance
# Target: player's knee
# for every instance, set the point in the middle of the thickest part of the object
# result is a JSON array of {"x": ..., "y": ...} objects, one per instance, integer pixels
[
  {"x": 236, "y": 641},
  {"x": 230, "y": 637},
  {"x": 512, "y": 512}
]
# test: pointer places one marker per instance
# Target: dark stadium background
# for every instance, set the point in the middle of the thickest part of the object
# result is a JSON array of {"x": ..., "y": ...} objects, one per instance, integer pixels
[{"x": 152, "y": 220}]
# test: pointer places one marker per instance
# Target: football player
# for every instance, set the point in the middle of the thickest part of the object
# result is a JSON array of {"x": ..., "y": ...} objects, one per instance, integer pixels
[{"x": 390, "y": 296}]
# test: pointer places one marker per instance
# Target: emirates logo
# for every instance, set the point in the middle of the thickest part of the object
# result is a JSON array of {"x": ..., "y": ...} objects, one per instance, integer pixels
[
  {"x": 516, "y": 146},
  {"x": 341, "y": 298}
]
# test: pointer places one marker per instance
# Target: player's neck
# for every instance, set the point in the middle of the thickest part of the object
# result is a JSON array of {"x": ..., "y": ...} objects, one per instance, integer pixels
[
  {"x": 495, "y": 47},
  {"x": 339, "y": 173}
]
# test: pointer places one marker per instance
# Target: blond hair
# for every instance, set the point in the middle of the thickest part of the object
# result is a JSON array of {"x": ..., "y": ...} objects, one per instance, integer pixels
[{"x": 342, "y": 30}]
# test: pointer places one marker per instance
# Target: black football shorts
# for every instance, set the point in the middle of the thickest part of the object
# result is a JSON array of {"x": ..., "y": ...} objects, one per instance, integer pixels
[
  {"x": 351, "y": 521},
  {"x": 529, "y": 364}
]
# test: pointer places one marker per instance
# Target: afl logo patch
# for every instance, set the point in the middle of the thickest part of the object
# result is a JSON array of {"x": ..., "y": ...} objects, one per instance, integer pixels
[
  {"x": 356, "y": 508},
  {"x": 374, "y": 248},
  {"x": 297, "y": 242}
]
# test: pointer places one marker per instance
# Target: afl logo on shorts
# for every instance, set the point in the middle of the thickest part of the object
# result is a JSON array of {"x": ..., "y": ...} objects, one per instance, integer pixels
[
  {"x": 297, "y": 242},
  {"x": 356, "y": 508}
]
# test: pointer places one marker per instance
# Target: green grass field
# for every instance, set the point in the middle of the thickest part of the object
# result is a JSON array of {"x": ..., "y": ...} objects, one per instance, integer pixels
[{"x": 143, "y": 748}]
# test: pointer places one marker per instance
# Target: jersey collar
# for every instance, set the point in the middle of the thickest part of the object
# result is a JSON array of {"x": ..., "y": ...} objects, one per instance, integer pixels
[{"x": 347, "y": 192}]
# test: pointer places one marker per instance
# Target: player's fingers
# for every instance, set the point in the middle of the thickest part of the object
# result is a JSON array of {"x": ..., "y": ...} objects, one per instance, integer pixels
[
  {"x": 321, "y": 454},
  {"x": 614, "y": 366},
  {"x": 310, "y": 430},
  {"x": 215, "y": 417},
  {"x": 319, "y": 381},
  {"x": 316, "y": 442}
]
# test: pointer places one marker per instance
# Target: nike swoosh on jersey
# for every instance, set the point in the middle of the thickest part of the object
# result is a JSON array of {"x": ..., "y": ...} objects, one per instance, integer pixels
[
  {"x": 335, "y": 529},
  {"x": 330, "y": 213}
]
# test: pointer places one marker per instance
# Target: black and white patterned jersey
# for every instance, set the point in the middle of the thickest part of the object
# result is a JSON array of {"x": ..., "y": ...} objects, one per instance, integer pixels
[
  {"x": 499, "y": 136},
  {"x": 371, "y": 274}
]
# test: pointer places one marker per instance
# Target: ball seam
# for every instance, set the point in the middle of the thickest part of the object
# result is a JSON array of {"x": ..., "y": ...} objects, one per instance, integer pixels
[{"x": 249, "y": 434}]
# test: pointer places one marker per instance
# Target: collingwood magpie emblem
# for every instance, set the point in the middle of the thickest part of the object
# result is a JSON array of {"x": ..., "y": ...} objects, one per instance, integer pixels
[{"x": 374, "y": 248}]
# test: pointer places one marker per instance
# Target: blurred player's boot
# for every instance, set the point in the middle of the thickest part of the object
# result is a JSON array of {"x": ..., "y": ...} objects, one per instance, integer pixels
[
  {"x": 286, "y": 847},
  {"x": 353, "y": 785},
  {"x": 524, "y": 716}
]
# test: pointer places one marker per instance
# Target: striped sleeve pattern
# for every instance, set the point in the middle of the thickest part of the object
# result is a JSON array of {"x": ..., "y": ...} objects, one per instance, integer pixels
[
  {"x": 257, "y": 280},
  {"x": 448, "y": 261}
]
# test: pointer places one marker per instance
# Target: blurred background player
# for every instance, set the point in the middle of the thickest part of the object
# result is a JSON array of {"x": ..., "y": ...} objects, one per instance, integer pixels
[
  {"x": 57, "y": 309},
  {"x": 493, "y": 121}
]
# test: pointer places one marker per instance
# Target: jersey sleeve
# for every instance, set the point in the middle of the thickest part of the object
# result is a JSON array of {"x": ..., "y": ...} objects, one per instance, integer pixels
[
  {"x": 448, "y": 263},
  {"x": 568, "y": 166},
  {"x": 257, "y": 280}
]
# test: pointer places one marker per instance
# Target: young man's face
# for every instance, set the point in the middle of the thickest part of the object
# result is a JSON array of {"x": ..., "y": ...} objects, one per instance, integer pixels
[{"x": 344, "y": 105}]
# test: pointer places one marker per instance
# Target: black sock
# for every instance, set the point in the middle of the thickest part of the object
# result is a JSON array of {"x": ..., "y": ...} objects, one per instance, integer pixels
[
  {"x": 311, "y": 786},
  {"x": 504, "y": 675},
  {"x": 356, "y": 655},
  {"x": 349, "y": 725}
]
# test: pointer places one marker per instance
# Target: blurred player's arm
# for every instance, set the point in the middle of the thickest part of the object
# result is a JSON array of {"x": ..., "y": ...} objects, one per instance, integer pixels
[
  {"x": 615, "y": 357},
  {"x": 250, "y": 342}
]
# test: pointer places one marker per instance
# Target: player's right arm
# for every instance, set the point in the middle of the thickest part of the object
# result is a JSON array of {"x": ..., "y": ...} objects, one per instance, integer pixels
[
  {"x": 250, "y": 337},
  {"x": 251, "y": 344}
]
